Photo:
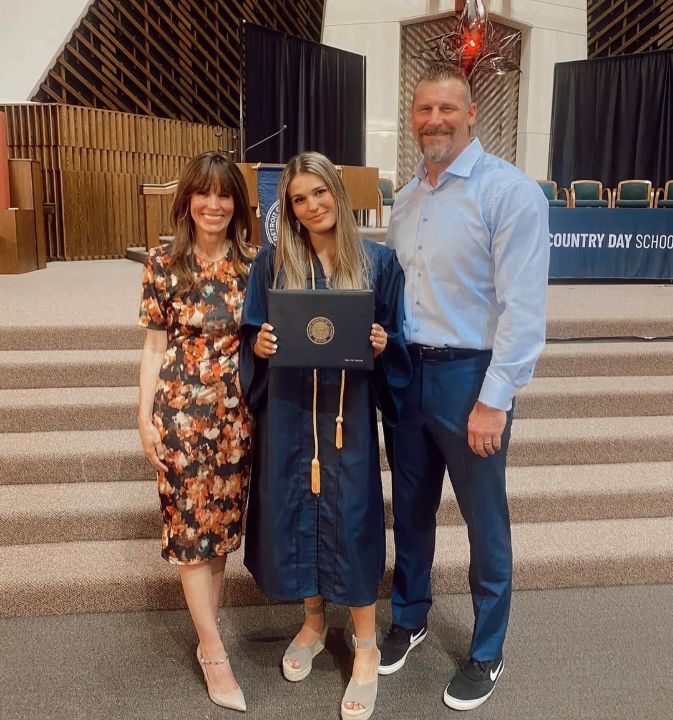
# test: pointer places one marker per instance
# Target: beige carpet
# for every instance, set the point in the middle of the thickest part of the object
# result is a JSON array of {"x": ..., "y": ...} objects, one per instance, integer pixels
[{"x": 594, "y": 654}]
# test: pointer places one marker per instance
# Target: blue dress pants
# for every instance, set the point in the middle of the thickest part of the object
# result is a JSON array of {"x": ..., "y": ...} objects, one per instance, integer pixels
[{"x": 431, "y": 438}]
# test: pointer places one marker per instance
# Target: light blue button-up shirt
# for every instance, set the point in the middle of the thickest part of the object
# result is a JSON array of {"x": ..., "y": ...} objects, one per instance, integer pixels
[{"x": 475, "y": 254}]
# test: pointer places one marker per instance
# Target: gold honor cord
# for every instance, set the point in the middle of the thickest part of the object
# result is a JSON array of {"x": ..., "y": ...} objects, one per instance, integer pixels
[{"x": 315, "y": 463}]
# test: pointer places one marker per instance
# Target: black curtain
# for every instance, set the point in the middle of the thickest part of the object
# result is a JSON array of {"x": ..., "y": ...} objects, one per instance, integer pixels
[
  {"x": 317, "y": 91},
  {"x": 612, "y": 120}
]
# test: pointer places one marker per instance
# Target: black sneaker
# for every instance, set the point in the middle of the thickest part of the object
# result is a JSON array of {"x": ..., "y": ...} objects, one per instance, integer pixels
[
  {"x": 397, "y": 645},
  {"x": 473, "y": 685}
]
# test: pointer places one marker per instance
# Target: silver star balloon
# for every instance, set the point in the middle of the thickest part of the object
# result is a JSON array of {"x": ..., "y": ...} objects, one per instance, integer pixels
[{"x": 474, "y": 45}]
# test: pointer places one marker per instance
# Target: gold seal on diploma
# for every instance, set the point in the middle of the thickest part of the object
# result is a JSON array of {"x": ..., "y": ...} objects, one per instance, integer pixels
[{"x": 320, "y": 330}]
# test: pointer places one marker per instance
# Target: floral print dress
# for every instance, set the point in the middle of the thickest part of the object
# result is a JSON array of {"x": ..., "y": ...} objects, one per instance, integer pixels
[{"x": 199, "y": 409}]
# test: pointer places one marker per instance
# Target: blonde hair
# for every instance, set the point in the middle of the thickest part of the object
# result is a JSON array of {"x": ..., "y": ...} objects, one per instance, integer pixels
[
  {"x": 291, "y": 264},
  {"x": 212, "y": 169}
]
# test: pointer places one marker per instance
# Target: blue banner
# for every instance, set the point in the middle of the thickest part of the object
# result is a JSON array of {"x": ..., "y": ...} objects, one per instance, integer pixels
[
  {"x": 267, "y": 192},
  {"x": 628, "y": 243}
]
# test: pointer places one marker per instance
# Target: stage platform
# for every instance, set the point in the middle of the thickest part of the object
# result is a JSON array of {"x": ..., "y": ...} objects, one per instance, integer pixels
[{"x": 90, "y": 304}]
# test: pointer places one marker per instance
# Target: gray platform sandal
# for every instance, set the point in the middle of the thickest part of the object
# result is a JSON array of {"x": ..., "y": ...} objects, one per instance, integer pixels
[
  {"x": 303, "y": 655},
  {"x": 364, "y": 695}
]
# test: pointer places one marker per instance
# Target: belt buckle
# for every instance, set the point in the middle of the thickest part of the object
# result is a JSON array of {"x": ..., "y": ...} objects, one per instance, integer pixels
[{"x": 426, "y": 358}]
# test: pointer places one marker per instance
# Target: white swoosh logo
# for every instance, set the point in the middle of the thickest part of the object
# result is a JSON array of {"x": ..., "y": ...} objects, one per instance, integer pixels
[
  {"x": 414, "y": 637},
  {"x": 494, "y": 673}
]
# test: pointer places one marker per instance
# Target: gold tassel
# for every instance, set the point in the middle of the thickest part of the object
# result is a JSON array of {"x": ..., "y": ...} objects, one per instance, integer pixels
[
  {"x": 340, "y": 417},
  {"x": 315, "y": 476},
  {"x": 339, "y": 433},
  {"x": 315, "y": 463}
]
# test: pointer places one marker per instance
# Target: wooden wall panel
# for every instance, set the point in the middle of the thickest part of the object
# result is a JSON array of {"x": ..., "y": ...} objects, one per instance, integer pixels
[
  {"x": 175, "y": 59},
  {"x": 93, "y": 163},
  {"x": 620, "y": 27}
]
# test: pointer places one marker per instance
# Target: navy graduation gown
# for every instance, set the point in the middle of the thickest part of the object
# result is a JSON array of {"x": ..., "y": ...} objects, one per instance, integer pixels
[{"x": 298, "y": 544}]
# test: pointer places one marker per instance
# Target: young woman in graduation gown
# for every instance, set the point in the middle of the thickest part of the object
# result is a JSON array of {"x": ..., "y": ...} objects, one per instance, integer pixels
[{"x": 315, "y": 528}]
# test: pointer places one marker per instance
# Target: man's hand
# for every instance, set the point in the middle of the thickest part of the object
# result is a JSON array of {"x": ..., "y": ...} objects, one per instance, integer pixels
[{"x": 484, "y": 429}]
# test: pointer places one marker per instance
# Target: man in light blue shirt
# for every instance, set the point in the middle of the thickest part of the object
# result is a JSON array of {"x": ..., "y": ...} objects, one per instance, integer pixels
[{"x": 471, "y": 233}]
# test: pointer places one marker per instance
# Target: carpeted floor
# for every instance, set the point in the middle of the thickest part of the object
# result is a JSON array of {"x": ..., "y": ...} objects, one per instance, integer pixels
[{"x": 595, "y": 654}]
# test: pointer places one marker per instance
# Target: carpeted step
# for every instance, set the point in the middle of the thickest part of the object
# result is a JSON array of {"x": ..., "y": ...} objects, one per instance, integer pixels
[
  {"x": 585, "y": 441},
  {"x": 582, "y": 397},
  {"x": 65, "y": 512},
  {"x": 68, "y": 368},
  {"x": 588, "y": 441},
  {"x": 117, "y": 368},
  {"x": 80, "y": 408},
  {"x": 89, "y": 305},
  {"x": 577, "y": 359},
  {"x": 119, "y": 575},
  {"x": 89, "y": 336},
  {"x": 64, "y": 457},
  {"x": 115, "y": 455},
  {"x": 563, "y": 493},
  {"x": 68, "y": 512},
  {"x": 98, "y": 408},
  {"x": 598, "y": 310}
]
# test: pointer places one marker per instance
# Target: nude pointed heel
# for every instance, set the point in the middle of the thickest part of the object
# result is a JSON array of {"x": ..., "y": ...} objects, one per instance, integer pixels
[
  {"x": 364, "y": 695},
  {"x": 303, "y": 655},
  {"x": 234, "y": 699}
]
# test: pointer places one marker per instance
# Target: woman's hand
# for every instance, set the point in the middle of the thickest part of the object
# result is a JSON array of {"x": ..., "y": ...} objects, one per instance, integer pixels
[
  {"x": 265, "y": 345},
  {"x": 378, "y": 339},
  {"x": 152, "y": 446}
]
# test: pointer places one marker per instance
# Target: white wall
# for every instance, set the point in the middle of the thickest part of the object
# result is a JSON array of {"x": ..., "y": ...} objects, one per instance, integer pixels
[
  {"x": 552, "y": 31},
  {"x": 32, "y": 35}
]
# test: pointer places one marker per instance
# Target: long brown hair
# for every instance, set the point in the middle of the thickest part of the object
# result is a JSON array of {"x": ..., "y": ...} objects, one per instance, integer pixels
[
  {"x": 351, "y": 262},
  {"x": 212, "y": 169}
]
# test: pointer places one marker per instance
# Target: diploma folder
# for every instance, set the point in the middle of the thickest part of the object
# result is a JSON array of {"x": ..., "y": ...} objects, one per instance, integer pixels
[{"x": 322, "y": 328}]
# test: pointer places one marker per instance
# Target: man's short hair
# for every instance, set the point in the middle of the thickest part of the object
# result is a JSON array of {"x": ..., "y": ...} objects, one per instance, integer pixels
[{"x": 440, "y": 71}]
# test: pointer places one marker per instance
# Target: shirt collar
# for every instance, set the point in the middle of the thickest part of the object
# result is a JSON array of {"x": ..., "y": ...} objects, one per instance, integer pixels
[{"x": 461, "y": 166}]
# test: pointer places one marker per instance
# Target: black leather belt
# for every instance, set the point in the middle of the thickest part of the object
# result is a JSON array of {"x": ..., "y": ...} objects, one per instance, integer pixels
[{"x": 427, "y": 353}]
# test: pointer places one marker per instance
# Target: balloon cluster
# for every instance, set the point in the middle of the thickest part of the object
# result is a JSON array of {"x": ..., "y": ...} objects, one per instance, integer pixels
[{"x": 474, "y": 45}]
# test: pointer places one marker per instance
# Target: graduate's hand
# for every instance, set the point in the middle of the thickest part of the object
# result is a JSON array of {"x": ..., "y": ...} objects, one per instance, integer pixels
[
  {"x": 265, "y": 345},
  {"x": 484, "y": 429},
  {"x": 378, "y": 339},
  {"x": 152, "y": 446}
]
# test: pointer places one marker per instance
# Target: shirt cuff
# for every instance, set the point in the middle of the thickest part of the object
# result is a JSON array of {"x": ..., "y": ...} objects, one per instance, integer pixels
[{"x": 496, "y": 393}]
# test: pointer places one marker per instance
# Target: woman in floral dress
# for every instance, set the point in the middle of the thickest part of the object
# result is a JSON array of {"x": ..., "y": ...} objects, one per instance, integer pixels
[{"x": 194, "y": 424}]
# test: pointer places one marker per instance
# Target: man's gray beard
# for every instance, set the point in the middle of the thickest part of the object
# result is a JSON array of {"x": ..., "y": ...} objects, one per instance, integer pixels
[{"x": 436, "y": 153}]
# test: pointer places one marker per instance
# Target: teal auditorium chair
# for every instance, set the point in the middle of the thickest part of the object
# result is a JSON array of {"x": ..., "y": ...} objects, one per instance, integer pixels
[
  {"x": 633, "y": 194},
  {"x": 589, "y": 193},
  {"x": 551, "y": 193},
  {"x": 386, "y": 198},
  {"x": 667, "y": 199}
]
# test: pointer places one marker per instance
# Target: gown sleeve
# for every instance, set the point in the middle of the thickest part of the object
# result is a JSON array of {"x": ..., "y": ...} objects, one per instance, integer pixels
[
  {"x": 392, "y": 368},
  {"x": 254, "y": 370}
]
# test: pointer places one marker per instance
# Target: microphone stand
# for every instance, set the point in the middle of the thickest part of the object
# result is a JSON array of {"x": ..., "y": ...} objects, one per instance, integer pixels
[{"x": 268, "y": 137}]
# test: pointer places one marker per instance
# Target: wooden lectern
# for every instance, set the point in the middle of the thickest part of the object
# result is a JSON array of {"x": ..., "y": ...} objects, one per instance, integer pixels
[{"x": 361, "y": 184}]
